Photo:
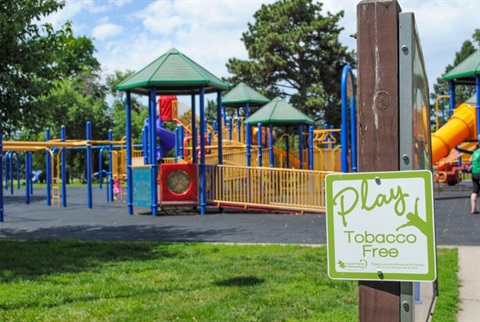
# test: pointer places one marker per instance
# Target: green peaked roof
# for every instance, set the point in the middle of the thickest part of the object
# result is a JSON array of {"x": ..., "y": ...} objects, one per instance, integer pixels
[
  {"x": 242, "y": 94},
  {"x": 279, "y": 112},
  {"x": 465, "y": 72},
  {"x": 175, "y": 74}
]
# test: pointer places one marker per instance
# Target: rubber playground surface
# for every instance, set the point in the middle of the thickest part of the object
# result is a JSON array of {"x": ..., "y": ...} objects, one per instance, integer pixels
[{"x": 110, "y": 221}]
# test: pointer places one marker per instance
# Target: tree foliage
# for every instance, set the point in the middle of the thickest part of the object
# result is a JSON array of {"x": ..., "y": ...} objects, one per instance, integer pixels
[
  {"x": 294, "y": 51},
  {"x": 462, "y": 92},
  {"x": 30, "y": 53}
]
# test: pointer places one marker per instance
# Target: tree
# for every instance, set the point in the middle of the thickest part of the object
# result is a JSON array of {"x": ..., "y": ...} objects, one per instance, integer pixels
[
  {"x": 462, "y": 92},
  {"x": 294, "y": 51},
  {"x": 29, "y": 56}
]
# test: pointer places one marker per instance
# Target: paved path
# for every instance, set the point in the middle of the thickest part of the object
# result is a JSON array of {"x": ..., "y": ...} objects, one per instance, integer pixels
[{"x": 110, "y": 221}]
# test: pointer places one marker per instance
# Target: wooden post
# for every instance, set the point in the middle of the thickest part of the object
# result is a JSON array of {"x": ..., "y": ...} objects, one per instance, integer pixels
[{"x": 378, "y": 126}]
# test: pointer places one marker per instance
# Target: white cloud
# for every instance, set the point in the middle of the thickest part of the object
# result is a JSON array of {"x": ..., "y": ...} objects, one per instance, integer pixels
[{"x": 106, "y": 30}]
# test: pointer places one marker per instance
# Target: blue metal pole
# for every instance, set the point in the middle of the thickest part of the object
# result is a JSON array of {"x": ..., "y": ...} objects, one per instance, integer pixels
[
  {"x": 63, "y": 152},
  {"x": 28, "y": 180},
  {"x": 194, "y": 132},
  {"x": 89, "y": 165},
  {"x": 224, "y": 112},
  {"x": 11, "y": 172},
  {"x": 182, "y": 140},
  {"x": 353, "y": 129},
  {"x": 247, "y": 110},
  {"x": 310, "y": 147},
  {"x": 18, "y": 170},
  {"x": 48, "y": 170},
  {"x": 270, "y": 148},
  {"x": 30, "y": 171},
  {"x": 344, "y": 127},
  {"x": 153, "y": 151},
  {"x": 259, "y": 141},
  {"x": 100, "y": 166},
  {"x": 219, "y": 131},
  {"x": 215, "y": 128},
  {"x": 300, "y": 145},
  {"x": 249, "y": 145},
  {"x": 110, "y": 167},
  {"x": 203, "y": 181},
  {"x": 230, "y": 129},
  {"x": 1, "y": 171},
  {"x": 239, "y": 126},
  {"x": 129, "y": 153},
  {"x": 452, "y": 98},
  {"x": 145, "y": 150},
  {"x": 177, "y": 144}
]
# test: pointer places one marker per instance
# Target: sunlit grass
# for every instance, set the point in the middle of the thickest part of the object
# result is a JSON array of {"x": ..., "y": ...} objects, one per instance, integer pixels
[{"x": 140, "y": 281}]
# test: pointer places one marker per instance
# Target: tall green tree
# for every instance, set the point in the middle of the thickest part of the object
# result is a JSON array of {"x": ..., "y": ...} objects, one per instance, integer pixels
[
  {"x": 442, "y": 87},
  {"x": 294, "y": 51},
  {"x": 30, "y": 52}
]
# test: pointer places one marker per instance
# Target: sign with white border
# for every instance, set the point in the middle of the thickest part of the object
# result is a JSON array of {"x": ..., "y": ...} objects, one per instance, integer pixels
[{"x": 380, "y": 226}]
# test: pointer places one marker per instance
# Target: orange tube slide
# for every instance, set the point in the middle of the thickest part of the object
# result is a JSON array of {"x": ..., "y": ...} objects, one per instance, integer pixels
[{"x": 459, "y": 128}]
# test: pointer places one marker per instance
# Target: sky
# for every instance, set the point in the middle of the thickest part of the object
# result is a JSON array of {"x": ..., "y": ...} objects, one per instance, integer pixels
[{"x": 129, "y": 34}]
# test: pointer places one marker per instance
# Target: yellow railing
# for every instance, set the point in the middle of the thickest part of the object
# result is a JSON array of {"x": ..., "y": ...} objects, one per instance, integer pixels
[{"x": 266, "y": 188}]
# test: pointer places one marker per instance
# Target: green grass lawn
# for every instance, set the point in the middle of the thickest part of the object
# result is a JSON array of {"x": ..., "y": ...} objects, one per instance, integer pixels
[{"x": 140, "y": 281}]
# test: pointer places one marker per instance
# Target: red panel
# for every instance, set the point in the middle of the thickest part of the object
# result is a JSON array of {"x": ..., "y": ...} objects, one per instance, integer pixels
[
  {"x": 179, "y": 182},
  {"x": 165, "y": 107}
]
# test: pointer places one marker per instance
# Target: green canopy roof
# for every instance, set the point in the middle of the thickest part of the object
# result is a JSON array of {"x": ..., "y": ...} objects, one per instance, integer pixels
[
  {"x": 465, "y": 72},
  {"x": 279, "y": 112},
  {"x": 242, "y": 94},
  {"x": 173, "y": 73}
]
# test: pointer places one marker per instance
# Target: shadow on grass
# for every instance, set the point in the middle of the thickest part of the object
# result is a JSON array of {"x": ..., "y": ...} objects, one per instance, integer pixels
[{"x": 241, "y": 281}]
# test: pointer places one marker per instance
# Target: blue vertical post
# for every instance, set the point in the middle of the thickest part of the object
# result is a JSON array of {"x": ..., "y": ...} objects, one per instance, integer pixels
[
  {"x": 344, "y": 127},
  {"x": 100, "y": 166},
  {"x": 300, "y": 145},
  {"x": 28, "y": 177},
  {"x": 18, "y": 171},
  {"x": 128, "y": 122},
  {"x": 247, "y": 110},
  {"x": 215, "y": 128},
  {"x": 310, "y": 147},
  {"x": 177, "y": 144},
  {"x": 219, "y": 131},
  {"x": 11, "y": 153},
  {"x": 1, "y": 171},
  {"x": 239, "y": 126},
  {"x": 89, "y": 164},
  {"x": 230, "y": 129},
  {"x": 48, "y": 170},
  {"x": 182, "y": 140},
  {"x": 110, "y": 166},
  {"x": 203, "y": 181},
  {"x": 30, "y": 171},
  {"x": 194, "y": 132},
  {"x": 249, "y": 145},
  {"x": 270, "y": 148},
  {"x": 63, "y": 165},
  {"x": 145, "y": 149},
  {"x": 452, "y": 97},
  {"x": 153, "y": 152},
  {"x": 259, "y": 141}
]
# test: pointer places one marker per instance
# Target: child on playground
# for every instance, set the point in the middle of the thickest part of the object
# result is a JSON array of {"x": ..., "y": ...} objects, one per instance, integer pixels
[{"x": 116, "y": 187}]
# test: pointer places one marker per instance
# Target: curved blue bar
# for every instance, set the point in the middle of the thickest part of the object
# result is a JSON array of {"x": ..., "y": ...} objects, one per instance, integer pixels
[
  {"x": 344, "y": 127},
  {"x": 89, "y": 165},
  {"x": 63, "y": 136}
]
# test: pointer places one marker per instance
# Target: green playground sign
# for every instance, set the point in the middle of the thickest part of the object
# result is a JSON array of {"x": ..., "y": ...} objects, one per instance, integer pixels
[{"x": 380, "y": 226}]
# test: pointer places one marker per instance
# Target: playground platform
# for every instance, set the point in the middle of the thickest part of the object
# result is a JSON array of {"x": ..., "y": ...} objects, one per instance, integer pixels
[{"x": 455, "y": 227}]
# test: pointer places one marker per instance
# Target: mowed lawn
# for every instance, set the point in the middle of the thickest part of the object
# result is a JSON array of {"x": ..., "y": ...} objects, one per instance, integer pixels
[{"x": 145, "y": 281}]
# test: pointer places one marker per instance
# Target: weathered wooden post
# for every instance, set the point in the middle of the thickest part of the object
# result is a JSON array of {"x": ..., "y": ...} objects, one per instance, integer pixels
[{"x": 378, "y": 126}]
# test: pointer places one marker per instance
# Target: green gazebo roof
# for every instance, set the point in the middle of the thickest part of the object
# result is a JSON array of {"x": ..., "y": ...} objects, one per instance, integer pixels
[
  {"x": 242, "y": 94},
  {"x": 465, "y": 72},
  {"x": 173, "y": 73},
  {"x": 279, "y": 112}
]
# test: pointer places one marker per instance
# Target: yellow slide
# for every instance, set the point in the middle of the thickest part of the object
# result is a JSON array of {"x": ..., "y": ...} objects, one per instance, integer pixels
[{"x": 460, "y": 127}]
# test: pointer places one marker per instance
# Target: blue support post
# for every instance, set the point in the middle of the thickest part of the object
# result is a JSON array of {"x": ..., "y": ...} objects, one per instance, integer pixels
[
  {"x": 353, "y": 128},
  {"x": 28, "y": 180},
  {"x": 110, "y": 167},
  {"x": 344, "y": 128},
  {"x": 215, "y": 128},
  {"x": 310, "y": 147},
  {"x": 239, "y": 126},
  {"x": 100, "y": 167},
  {"x": 230, "y": 129},
  {"x": 145, "y": 149},
  {"x": 129, "y": 154},
  {"x": 259, "y": 139},
  {"x": 182, "y": 140},
  {"x": 203, "y": 181},
  {"x": 177, "y": 144},
  {"x": 48, "y": 170},
  {"x": 89, "y": 164},
  {"x": 270, "y": 148},
  {"x": 63, "y": 165},
  {"x": 300, "y": 145},
  {"x": 249, "y": 145},
  {"x": 219, "y": 131},
  {"x": 194, "y": 132},
  {"x": 153, "y": 152},
  {"x": 452, "y": 97},
  {"x": 11, "y": 171}
]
